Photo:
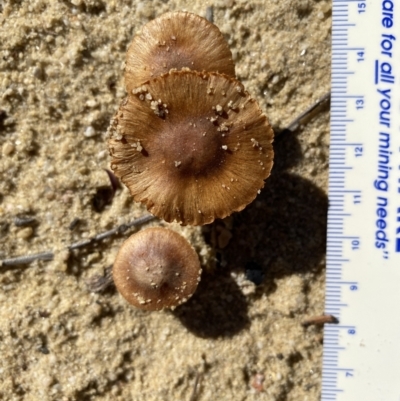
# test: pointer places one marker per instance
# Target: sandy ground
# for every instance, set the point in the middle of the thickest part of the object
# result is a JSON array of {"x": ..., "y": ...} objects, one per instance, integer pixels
[{"x": 60, "y": 83}]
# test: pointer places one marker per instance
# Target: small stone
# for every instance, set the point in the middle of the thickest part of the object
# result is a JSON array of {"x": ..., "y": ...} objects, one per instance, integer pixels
[
  {"x": 91, "y": 103},
  {"x": 25, "y": 233},
  {"x": 37, "y": 72},
  {"x": 8, "y": 148},
  {"x": 102, "y": 154},
  {"x": 90, "y": 132}
]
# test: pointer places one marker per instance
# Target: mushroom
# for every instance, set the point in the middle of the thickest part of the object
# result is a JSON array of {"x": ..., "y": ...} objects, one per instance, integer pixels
[
  {"x": 156, "y": 268},
  {"x": 191, "y": 146},
  {"x": 176, "y": 40}
]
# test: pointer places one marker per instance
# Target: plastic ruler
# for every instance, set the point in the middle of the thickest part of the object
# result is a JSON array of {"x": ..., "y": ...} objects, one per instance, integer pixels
[{"x": 362, "y": 352}]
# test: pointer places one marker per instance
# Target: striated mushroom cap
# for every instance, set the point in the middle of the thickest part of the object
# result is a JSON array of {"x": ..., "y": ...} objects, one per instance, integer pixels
[
  {"x": 191, "y": 146},
  {"x": 176, "y": 40},
  {"x": 156, "y": 268}
]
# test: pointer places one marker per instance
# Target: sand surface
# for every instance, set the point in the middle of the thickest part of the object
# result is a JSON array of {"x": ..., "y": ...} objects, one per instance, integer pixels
[{"x": 61, "y": 80}]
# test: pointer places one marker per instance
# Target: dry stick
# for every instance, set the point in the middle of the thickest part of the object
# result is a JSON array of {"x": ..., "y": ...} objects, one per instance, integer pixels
[
  {"x": 296, "y": 122},
  {"x": 210, "y": 14},
  {"x": 194, "y": 395},
  {"x": 23, "y": 260}
]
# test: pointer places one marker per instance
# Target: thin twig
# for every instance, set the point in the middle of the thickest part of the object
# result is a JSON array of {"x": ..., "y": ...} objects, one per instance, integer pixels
[
  {"x": 194, "y": 395},
  {"x": 210, "y": 14},
  {"x": 49, "y": 255},
  {"x": 296, "y": 122}
]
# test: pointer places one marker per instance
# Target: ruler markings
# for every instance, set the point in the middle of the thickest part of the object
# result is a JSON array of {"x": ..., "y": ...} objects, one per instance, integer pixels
[
  {"x": 347, "y": 144},
  {"x": 341, "y": 369},
  {"x": 336, "y": 348},
  {"x": 348, "y": 48},
  {"x": 363, "y": 62}
]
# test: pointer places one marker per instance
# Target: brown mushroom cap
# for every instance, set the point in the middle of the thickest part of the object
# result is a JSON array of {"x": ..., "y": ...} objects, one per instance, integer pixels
[
  {"x": 176, "y": 40},
  {"x": 192, "y": 146},
  {"x": 156, "y": 268}
]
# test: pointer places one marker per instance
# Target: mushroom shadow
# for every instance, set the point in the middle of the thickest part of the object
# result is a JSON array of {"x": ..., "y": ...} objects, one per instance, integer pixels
[
  {"x": 286, "y": 226},
  {"x": 283, "y": 231},
  {"x": 217, "y": 309},
  {"x": 287, "y": 152}
]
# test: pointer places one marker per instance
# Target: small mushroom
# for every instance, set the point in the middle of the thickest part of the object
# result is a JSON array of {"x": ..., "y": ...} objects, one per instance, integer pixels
[
  {"x": 176, "y": 40},
  {"x": 156, "y": 268},
  {"x": 196, "y": 149}
]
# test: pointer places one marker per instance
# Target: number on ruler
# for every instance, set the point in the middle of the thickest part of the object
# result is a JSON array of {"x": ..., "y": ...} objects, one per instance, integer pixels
[
  {"x": 356, "y": 199},
  {"x": 360, "y": 56},
  {"x": 361, "y": 8},
  {"x": 355, "y": 244},
  {"x": 358, "y": 151},
  {"x": 359, "y": 104},
  {"x": 351, "y": 331}
]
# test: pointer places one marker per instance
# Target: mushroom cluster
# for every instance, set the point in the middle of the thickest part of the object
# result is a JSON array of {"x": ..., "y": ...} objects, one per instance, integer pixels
[{"x": 189, "y": 141}]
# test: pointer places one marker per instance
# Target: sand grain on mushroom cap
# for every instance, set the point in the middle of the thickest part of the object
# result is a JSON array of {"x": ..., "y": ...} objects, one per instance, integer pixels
[
  {"x": 156, "y": 268},
  {"x": 176, "y": 40},
  {"x": 191, "y": 154}
]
